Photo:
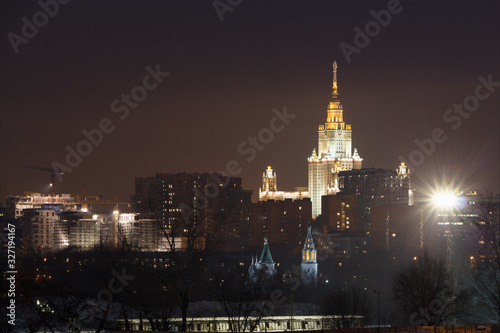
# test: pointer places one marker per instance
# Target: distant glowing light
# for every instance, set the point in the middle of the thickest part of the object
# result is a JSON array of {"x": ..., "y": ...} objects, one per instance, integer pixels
[{"x": 445, "y": 200}]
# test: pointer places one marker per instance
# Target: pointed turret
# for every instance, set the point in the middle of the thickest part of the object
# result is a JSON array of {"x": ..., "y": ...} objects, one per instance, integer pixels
[
  {"x": 309, "y": 251},
  {"x": 264, "y": 264},
  {"x": 265, "y": 256},
  {"x": 309, "y": 266}
]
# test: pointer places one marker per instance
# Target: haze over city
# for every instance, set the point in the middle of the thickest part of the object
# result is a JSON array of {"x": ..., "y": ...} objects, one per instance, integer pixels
[{"x": 226, "y": 77}]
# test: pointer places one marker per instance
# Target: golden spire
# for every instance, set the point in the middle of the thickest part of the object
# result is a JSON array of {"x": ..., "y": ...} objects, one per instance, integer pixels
[{"x": 335, "y": 93}]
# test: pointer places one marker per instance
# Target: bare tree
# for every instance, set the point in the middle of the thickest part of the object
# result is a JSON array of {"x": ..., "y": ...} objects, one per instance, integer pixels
[
  {"x": 425, "y": 294},
  {"x": 343, "y": 307},
  {"x": 155, "y": 299},
  {"x": 45, "y": 303},
  {"x": 187, "y": 236},
  {"x": 485, "y": 275},
  {"x": 244, "y": 300}
]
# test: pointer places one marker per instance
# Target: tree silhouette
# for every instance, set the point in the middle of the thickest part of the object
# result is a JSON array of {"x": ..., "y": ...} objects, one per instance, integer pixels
[{"x": 425, "y": 294}]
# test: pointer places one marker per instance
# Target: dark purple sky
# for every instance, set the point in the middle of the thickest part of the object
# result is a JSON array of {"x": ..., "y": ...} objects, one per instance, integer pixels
[{"x": 227, "y": 76}]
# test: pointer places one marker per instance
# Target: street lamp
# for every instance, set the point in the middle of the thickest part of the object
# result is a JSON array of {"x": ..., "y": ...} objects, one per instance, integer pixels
[
  {"x": 378, "y": 308},
  {"x": 446, "y": 202}
]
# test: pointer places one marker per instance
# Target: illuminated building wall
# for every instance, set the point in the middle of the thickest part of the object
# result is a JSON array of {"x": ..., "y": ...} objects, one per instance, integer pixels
[
  {"x": 43, "y": 230},
  {"x": 142, "y": 233},
  {"x": 269, "y": 189},
  {"x": 84, "y": 234},
  {"x": 334, "y": 152},
  {"x": 340, "y": 212},
  {"x": 35, "y": 200}
]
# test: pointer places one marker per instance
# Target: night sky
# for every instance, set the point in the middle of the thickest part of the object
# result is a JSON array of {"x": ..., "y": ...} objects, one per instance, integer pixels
[{"x": 226, "y": 77}]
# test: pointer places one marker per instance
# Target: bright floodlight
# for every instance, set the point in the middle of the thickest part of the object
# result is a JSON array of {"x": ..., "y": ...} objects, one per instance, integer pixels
[{"x": 444, "y": 200}]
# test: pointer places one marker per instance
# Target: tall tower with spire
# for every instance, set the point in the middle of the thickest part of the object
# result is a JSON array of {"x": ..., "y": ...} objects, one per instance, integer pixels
[
  {"x": 334, "y": 152},
  {"x": 309, "y": 266},
  {"x": 269, "y": 181}
]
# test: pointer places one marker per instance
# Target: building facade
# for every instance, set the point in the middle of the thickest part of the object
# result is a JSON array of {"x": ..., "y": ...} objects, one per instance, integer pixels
[
  {"x": 342, "y": 245},
  {"x": 339, "y": 212},
  {"x": 376, "y": 187},
  {"x": 269, "y": 189},
  {"x": 212, "y": 202},
  {"x": 43, "y": 230},
  {"x": 398, "y": 230},
  {"x": 284, "y": 222},
  {"x": 42, "y": 201},
  {"x": 334, "y": 154}
]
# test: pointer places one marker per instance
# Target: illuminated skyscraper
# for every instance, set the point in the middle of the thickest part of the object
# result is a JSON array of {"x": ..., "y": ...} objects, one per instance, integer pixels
[{"x": 334, "y": 152}]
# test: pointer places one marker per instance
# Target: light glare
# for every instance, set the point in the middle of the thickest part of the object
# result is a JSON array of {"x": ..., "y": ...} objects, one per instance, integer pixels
[{"x": 444, "y": 200}]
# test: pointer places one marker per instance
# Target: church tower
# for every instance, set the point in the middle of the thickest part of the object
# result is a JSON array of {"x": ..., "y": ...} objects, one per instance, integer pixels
[
  {"x": 309, "y": 266},
  {"x": 334, "y": 152},
  {"x": 264, "y": 264}
]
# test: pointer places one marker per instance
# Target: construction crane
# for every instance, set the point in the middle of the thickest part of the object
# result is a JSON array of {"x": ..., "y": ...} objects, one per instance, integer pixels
[
  {"x": 97, "y": 199},
  {"x": 51, "y": 171}
]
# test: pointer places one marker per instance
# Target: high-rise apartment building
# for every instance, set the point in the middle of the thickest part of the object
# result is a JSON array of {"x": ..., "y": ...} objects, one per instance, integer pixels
[
  {"x": 209, "y": 200},
  {"x": 283, "y": 221},
  {"x": 339, "y": 213},
  {"x": 376, "y": 187},
  {"x": 398, "y": 230},
  {"x": 43, "y": 230}
]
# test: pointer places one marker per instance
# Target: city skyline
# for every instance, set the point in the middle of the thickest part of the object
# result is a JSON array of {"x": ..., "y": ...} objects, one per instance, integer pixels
[
  {"x": 150, "y": 151},
  {"x": 396, "y": 89}
]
